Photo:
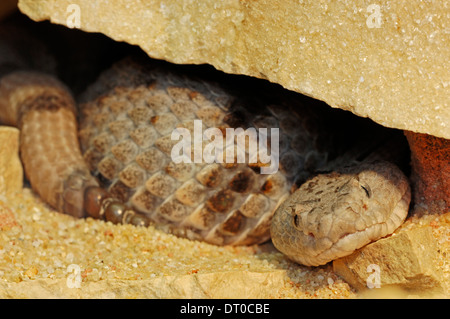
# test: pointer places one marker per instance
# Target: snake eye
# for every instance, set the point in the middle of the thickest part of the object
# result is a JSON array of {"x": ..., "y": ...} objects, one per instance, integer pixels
[
  {"x": 367, "y": 190},
  {"x": 296, "y": 221}
]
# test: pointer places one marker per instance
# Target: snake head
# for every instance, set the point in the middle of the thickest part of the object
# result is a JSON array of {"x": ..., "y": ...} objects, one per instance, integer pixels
[{"x": 332, "y": 215}]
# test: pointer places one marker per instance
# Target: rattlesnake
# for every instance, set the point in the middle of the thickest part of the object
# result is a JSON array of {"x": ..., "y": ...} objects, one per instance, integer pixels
[{"x": 126, "y": 120}]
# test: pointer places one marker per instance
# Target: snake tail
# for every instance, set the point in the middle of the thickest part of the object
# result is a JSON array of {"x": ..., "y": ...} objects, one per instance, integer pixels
[{"x": 45, "y": 112}]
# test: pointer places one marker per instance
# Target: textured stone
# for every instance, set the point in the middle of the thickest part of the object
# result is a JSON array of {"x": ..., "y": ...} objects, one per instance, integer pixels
[
  {"x": 11, "y": 172},
  {"x": 406, "y": 261},
  {"x": 430, "y": 159},
  {"x": 394, "y": 70},
  {"x": 242, "y": 284}
]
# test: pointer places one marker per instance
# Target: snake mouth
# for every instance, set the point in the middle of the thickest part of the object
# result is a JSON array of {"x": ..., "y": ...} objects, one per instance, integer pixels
[{"x": 349, "y": 242}]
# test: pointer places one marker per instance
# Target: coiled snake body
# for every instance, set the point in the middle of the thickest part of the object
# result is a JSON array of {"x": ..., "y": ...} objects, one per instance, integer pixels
[{"x": 124, "y": 172}]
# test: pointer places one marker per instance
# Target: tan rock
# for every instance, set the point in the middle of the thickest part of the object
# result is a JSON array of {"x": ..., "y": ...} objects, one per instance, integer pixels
[
  {"x": 406, "y": 261},
  {"x": 394, "y": 69},
  {"x": 243, "y": 284},
  {"x": 11, "y": 171}
]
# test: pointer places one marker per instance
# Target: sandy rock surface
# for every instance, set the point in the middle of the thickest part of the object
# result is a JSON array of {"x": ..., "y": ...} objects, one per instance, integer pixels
[{"x": 44, "y": 254}]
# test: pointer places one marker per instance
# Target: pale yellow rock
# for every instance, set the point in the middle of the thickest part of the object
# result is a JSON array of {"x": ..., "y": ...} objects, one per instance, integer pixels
[
  {"x": 11, "y": 171},
  {"x": 394, "y": 69},
  {"x": 404, "y": 262},
  {"x": 223, "y": 285}
]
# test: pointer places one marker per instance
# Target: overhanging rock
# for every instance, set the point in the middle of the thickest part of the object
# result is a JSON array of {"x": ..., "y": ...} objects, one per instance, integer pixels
[{"x": 389, "y": 62}]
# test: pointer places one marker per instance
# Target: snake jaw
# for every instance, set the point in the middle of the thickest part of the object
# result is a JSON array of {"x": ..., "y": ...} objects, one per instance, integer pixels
[{"x": 335, "y": 214}]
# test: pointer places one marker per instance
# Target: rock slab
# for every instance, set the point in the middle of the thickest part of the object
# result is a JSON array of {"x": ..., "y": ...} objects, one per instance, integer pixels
[
  {"x": 214, "y": 285},
  {"x": 430, "y": 160},
  {"x": 405, "y": 261},
  {"x": 388, "y": 62}
]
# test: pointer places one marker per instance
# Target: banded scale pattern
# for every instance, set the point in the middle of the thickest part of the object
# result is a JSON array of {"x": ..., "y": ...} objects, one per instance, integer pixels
[{"x": 127, "y": 118}]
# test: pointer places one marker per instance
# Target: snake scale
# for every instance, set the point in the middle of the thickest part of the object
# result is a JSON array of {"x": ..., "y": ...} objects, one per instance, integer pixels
[{"x": 110, "y": 158}]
